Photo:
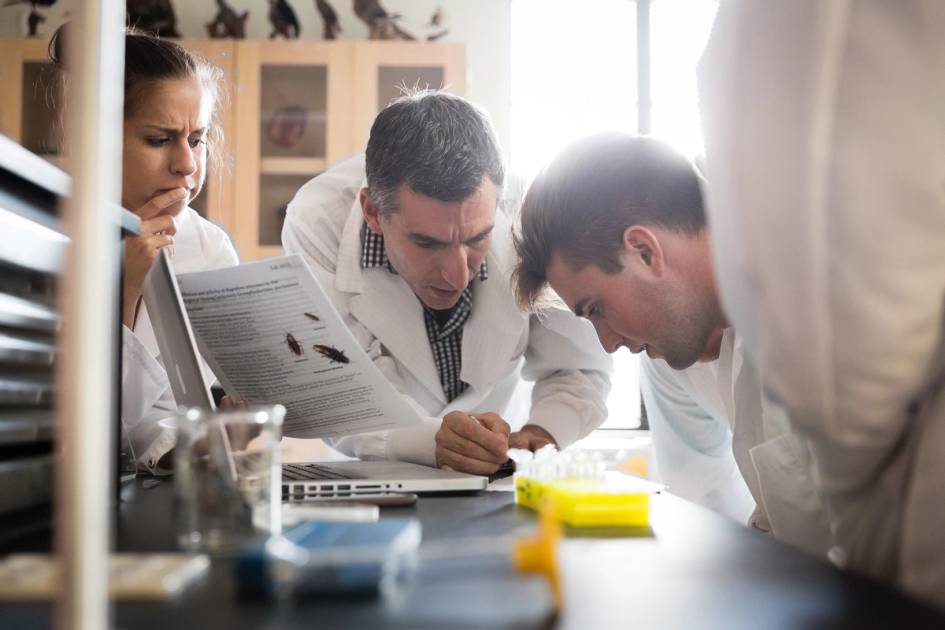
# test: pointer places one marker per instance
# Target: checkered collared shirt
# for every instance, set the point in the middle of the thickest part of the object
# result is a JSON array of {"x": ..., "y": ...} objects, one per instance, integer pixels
[{"x": 446, "y": 339}]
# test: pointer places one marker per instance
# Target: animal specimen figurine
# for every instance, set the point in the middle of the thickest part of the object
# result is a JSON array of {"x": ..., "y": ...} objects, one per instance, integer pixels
[
  {"x": 33, "y": 3},
  {"x": 381, "y": 24},
  {"x": 283, "y": 19},
  {"x": 330, "y": 25},
  {"x": 33, "y": 21},
  {"x": 35, "y": 18},
  {"x": 154, "y": 16},
  {"x": 437, "y": 25},
  {"x": 227, "y": 22},
  {"x": 436, "y": 20}
]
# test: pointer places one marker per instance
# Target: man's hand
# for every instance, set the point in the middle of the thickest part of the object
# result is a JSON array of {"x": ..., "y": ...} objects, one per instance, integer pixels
[
  {"x": 476, "y": 444},
  {"x": 532, "y": 437}
]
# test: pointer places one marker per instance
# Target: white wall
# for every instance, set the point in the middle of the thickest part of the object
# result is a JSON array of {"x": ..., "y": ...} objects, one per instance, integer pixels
[{"x": 482, "y": 25}]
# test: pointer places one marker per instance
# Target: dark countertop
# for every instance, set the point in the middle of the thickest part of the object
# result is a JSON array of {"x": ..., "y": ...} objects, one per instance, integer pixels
[{"x": 699, "y": 570}]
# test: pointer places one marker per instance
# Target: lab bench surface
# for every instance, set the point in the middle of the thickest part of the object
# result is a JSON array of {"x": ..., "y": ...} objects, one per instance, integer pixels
[{"x": 698, "y": 570}]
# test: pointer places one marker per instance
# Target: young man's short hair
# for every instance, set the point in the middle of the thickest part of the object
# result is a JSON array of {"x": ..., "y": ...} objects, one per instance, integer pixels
[{"x": 581, "y": 204}]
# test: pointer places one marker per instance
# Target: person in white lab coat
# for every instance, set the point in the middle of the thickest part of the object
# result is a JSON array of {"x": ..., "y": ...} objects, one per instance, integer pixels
[
  {"x": 824, "y": 125},
  {"x": 169, "y": 127},
  {"x": 410, "y": 246},
  {"x": 615, "y": 226},
  {"x": 689, "y": 414}
]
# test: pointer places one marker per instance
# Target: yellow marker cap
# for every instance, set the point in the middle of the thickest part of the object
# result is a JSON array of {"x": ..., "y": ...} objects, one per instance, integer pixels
[{"x": 539, "y": 553}]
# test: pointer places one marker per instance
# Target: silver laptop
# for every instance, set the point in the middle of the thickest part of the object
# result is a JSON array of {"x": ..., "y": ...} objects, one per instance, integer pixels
[{"x": 177, "y": 344}]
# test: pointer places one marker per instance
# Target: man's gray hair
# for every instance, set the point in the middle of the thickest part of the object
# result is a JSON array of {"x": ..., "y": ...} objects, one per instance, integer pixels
[{"x": 439, "y": 145}]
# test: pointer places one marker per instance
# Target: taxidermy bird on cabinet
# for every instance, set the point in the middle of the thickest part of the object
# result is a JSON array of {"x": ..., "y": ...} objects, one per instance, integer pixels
[
  {"x": 330, "y": 25},
  {"x": 283, "y": 19},
  {"x": 381, "y": 24},
  {"x": 227, "y": 22},
  {"x": 154, "y": 16},
  {"x": 35, "y": 18},
  {"x": 33, "y": 3},
  {"x": 436, "y": 20},
  {"x": 437, "y": 25}
]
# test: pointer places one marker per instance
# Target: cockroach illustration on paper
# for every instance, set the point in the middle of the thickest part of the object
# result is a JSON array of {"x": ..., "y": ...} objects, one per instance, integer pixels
[
  {"x": 294, "y": 345},
  {"x": 332, "y": 353}
]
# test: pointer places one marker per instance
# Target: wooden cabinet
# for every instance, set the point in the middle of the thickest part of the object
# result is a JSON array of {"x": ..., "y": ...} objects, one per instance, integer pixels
[
  {"x": 301, "y": 106},
  {"x": 292, "y": 108},
  {"x": 29, "y": 101}
]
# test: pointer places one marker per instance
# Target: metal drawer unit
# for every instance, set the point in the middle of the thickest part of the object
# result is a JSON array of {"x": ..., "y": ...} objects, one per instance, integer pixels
[{"x": 32, "y": 248}]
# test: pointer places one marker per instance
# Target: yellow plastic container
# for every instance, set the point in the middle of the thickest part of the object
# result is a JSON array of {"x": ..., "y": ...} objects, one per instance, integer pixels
[{"x": 586, "y": 502}]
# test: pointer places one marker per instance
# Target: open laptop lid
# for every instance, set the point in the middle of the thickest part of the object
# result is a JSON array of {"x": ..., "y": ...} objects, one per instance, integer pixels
[{"x": 174, "y": 335}]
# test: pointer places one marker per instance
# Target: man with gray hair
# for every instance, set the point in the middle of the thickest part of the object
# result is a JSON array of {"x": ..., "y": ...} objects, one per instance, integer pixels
[{"x": 413, "y": 246}]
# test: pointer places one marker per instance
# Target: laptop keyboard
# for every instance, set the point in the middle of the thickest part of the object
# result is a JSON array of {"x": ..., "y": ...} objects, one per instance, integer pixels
[{"x": 306, "y": 472}]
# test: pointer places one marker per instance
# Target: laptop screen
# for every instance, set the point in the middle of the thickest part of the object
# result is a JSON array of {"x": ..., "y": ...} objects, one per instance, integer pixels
[{"x": 174, "y": 335}]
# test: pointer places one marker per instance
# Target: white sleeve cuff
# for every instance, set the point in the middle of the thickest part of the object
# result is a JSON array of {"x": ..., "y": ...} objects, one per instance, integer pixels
[
  {"x": 558, "y": 420},
  {"x": 416, "y": 444}
]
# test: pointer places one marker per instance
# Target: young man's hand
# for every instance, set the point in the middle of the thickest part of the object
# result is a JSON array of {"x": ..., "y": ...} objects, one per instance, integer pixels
[
  {"x": 472, "y": 443},
  {"x": 532, "y": 437}
]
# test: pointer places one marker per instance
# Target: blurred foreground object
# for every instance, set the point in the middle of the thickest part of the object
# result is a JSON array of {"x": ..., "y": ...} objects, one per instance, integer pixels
[
  {"x": 321, "y": 558},
  {"x": 828, "y": 230},
  {"x": 132, "y": 576},
  {"x": 228, "y": 476},
  {"x": 539, "y": 553}
]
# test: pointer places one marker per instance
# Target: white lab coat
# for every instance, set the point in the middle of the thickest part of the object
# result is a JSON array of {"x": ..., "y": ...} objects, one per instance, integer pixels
[
  {"x": 146, "y": 393},
  {"x": 688, "y": 416},
  {"x": 825, "y": 136},
  {"x": 501, "y": 345},
  {"x": 720, "y": 443}
]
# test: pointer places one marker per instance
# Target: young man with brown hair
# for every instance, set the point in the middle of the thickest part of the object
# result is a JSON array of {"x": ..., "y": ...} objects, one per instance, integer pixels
[{"x": 615, "y": 225}]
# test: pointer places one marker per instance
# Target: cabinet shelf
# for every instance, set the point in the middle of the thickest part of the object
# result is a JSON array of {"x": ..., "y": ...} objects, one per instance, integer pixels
[{"x": 291, "y": 166}]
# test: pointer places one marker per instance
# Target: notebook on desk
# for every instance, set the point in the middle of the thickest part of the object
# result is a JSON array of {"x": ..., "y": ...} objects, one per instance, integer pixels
[{"x": 302, "y": 481}]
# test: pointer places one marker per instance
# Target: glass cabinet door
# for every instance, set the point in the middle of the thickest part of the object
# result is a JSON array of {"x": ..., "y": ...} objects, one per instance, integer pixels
[
  {"x": 41, "y": 98},
  {"x": 383, "y": 69},
  {"x": 275, "y": 193},
  {"x": 292, "y": 102},
  {"x": 393, "y": 80},
  {"x": 31, "y": 97}
]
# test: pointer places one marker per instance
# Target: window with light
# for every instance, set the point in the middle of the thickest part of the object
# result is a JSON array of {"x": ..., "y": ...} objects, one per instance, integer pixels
[{"x": 580, "y": 68}]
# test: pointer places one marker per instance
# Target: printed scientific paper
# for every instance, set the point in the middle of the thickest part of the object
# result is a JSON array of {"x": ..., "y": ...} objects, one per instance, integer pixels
[{"x": 271, "y": 335}]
